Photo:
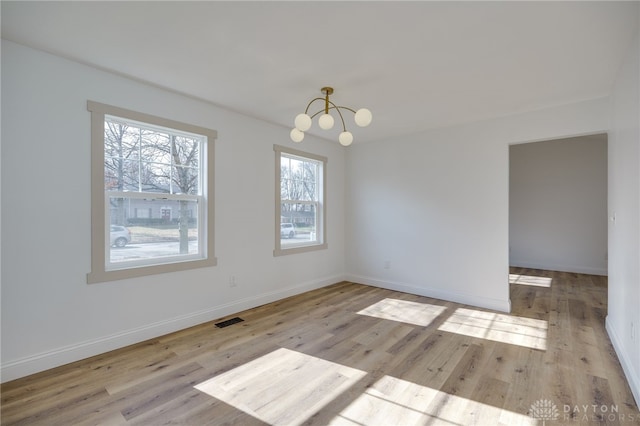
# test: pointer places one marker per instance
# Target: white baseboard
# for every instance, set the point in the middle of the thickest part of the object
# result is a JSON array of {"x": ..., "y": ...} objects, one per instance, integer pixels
[
  {"x": 464, "y": 298},
  {"x": 630, "y": 373},
  {"x": 562, "y": 268},
  {"x": 43, "y": 361}
]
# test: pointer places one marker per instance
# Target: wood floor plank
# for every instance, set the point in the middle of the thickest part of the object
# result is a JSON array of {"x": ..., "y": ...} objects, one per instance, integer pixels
[
  {"x": 144, "y": 396},
  {"x": 173, "y": 410},
  {"x": 487, "y": 401},
  {"x": 467, "y": 371},
  {"x": 349, "y": 354}
]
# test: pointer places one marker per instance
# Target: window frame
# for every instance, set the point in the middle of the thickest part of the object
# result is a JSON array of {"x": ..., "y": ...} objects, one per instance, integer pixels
[
  {"x": 99, "y": 235},
  {"x": 321, "y": 221}
]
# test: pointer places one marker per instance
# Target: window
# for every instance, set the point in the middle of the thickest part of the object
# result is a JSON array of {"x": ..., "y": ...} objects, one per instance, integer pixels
[
  {"x": 152, "y": 195},
  {"x": 300, "y": 201}
]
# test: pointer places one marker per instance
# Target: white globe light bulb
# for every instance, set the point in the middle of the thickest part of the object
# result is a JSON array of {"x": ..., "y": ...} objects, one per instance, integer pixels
[
  {"x": 363, "y": 117},
  {"x": 303, "y": 122},
  {"x": 325, "y": 121},
  {"x": 345, "y": 138},
  {"x": 296, "y": 135}
]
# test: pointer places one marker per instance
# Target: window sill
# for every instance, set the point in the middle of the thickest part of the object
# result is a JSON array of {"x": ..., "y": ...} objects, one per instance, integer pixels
[
  {"x": 299, "y": 249},
  {"x": 122, "y": 274}
]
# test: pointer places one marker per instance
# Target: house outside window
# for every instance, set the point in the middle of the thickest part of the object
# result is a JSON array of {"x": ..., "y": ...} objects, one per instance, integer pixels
[
  {"x": 300, "y": 201},
  {"x": 154, "y": 177}
]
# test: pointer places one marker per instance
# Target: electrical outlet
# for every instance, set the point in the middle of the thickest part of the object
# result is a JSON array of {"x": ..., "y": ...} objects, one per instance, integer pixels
[
  {"x": 232, "y": 281},
  {"x": 387, "y": 264}
]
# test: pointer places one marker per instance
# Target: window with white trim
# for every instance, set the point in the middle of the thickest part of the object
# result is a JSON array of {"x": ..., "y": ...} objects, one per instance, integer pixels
[
  {"x": 152, "y": 194},
  {"x": 300, "y": 201}
]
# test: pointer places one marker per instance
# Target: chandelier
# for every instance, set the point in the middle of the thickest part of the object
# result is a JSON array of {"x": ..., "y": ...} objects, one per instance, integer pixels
[{"x": 302, "y": 122}]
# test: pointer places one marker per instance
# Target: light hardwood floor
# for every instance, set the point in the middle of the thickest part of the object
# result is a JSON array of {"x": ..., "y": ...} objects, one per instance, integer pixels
[{"x": 357, "y": 355}]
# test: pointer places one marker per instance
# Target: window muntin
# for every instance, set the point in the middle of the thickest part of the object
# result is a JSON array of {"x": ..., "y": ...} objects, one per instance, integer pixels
[
  {"x": 156, "y": 180},
  {"x": 300, "y": 211}
]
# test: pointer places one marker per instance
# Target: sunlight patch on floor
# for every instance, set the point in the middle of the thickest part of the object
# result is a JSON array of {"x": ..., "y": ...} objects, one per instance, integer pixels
[
  {"x": 530, "y": 280},
  {"x": 528, "y": 332},
  {"x": 393, "y": 401},
  {"x": 283, "y": 387},
  {"x": 404, "y": 311}
]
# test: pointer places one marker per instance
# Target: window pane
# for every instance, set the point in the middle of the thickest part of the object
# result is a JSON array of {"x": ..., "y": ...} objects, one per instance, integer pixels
[
  {"x": 186, "y": 151},
  {"x": 299, "y": 179},
  {"x": 298, "y": 224},
  {"x": 121, "y": 157},
  {"x": 144, "y": 229},
  {"x": 185, "y": 180},
  {"x": 156, "y": 177},
  {"x": 155, "y": 147},
  {"x": 120, "y": 140},
  {"x": 121, "y": 175}
]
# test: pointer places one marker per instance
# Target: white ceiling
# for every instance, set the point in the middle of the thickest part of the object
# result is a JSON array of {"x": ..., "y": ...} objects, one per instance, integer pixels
[{"x": 415, "y": 65}]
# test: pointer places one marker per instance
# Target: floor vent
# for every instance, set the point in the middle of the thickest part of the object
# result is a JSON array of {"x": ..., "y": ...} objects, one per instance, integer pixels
[{"x": 228, "y": 322}]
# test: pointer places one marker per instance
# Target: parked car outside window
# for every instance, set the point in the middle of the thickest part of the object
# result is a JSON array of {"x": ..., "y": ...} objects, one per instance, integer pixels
[
  {"x": 287, "y": 230},
  {"x": 120, "y": 236}
]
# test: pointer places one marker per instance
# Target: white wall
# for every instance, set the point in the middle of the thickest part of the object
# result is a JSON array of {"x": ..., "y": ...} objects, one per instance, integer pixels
[
  {"x": 623, "y": 317},
  {"x": 558, "y": 205},
  {"x": 50, "y": 315},
  {"x": 436, "y": 205}
]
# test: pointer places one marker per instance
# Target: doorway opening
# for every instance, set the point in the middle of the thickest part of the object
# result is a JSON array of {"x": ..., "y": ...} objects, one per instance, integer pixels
[{"x": 558, "y": 208}]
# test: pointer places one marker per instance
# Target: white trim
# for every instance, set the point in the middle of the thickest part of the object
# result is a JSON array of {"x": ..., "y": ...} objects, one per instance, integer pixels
[
  {"x": 451, "y": 296},
  {"x": 561, "y": 268},
  {"x": 101, "y": 269},
  {"x": 302, "y": 155},
  {"x": 633, "y": 377},
  {"x": 321, "y": 213},
  {"x": 63, "y": 355}
]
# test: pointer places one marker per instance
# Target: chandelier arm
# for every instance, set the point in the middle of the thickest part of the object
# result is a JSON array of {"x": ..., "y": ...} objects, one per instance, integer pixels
[
  {"x": 314, "y": 115},
  {"x": 337, "y": 108},
  {"x": 309, "y": 104},
  {"x": 344, "y": 107}
]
